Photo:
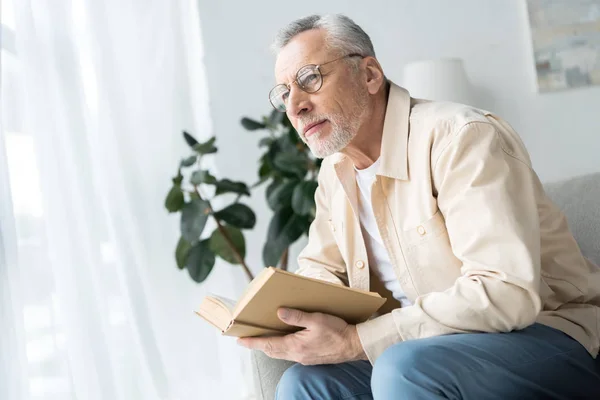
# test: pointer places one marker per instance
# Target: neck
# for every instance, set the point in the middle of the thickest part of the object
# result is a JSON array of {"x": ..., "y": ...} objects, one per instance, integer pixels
[{"x": 365, "y": 148}]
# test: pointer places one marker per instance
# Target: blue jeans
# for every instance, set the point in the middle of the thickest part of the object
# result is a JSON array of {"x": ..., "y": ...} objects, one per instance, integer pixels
[{"x": 538, "y": 362}]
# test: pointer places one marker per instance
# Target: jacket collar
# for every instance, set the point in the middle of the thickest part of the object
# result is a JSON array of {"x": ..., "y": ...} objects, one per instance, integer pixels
[{"x": 394, "y": 143}]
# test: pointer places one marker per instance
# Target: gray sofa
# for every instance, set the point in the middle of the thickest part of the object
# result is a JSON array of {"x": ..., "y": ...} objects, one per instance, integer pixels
[{"x": 579, "y": 198}]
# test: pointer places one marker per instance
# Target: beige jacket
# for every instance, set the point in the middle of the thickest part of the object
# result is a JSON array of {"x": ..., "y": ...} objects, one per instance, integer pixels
[{"x": 475, "y": 242}]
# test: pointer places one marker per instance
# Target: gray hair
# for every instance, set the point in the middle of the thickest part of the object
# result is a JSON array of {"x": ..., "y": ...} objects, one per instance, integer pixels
[{"x": 343, "y": 34}]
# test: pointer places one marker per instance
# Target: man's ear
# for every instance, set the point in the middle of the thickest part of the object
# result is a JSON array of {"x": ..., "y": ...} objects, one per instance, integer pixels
[{"x": 374, "y": 74}]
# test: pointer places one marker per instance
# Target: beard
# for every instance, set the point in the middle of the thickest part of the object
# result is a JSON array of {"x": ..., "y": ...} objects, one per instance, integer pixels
[{"x": 344, "y": 128}]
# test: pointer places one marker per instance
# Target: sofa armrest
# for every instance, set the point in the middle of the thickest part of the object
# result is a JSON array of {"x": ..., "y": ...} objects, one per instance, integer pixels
[{"x": 266, "y": 373}]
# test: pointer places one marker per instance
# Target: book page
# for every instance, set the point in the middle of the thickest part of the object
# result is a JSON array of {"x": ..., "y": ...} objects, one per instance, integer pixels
[
  {"x": 225, "y": 302},
  {"x": 217, "y": 311}
]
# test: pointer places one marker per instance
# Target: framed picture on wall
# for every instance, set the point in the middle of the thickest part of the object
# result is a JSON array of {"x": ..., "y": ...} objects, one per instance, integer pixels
[{"x": 566, "y": 43}]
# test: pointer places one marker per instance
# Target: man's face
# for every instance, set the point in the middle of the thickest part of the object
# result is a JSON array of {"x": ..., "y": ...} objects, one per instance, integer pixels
[{"x": 330, "y": 118}]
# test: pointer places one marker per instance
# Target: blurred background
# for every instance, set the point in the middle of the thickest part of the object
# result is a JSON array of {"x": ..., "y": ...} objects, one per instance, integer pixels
[{"x": 105, "y": 246}]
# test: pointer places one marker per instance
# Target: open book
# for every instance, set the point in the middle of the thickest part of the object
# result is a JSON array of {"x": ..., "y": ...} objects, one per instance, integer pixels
[{"x": 255, "y": 313}]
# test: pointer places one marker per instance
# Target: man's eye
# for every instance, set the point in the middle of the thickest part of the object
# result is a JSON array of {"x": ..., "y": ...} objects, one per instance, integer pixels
[
  {"x": 308, "y": 79},
  {"x": 285, "y": 95}
]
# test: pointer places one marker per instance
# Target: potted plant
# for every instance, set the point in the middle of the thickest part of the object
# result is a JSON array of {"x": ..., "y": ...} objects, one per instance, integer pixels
[
  {"x": 290, "y": 171},
  {"x": 191, "y": 195}
]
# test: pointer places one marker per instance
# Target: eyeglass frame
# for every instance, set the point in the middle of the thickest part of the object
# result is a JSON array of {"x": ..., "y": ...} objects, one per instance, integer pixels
[{"x": 318, "y": 68}]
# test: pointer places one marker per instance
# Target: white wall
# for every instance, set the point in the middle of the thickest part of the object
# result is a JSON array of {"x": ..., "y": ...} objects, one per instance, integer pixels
[{"x": 561, "y": 130}]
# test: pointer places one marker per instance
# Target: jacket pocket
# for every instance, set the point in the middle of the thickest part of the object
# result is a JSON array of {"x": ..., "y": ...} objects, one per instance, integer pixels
[
  {"x": 426, "y": 230},
  {"x": 429, "y": 255}
]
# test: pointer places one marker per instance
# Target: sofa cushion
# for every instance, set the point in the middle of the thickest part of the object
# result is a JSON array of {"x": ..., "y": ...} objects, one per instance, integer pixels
[{"x": 579, "y": 198}]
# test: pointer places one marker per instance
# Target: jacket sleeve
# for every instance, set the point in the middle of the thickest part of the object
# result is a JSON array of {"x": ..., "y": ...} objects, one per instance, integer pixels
[
  {"x": 321, "y": 258},
  {"x": 486, "y": 193}
]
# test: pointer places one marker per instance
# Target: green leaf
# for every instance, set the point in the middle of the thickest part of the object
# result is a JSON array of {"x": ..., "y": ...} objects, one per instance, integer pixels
[
  {"x": 220, "y": 246},
  {"x": 282, "y": 144},
  {"x": 303, "y": 199},
  {"x": 251, "y": 124},
  {"x": 274, "y": 185},
  {"x": 279, "y": 194},
  {"x": 284, "y": 229},
  {"x": 291, "y": 164},
  {"x": 188, "y": 162},
  {"x": 193, "y": 219},
  {"x": 238, "y": 215},
  {"x": 201, "y": 261},
  {"x": 182, "y": 251},
  {"x": 294, "y": 137},
  {"x": 265, "y": 170},
  {"x": 202, "y": 176},
  {"x": 207, "y": 147},
  {"x": 228, "y": 186},
  {"x": 174, "y": 201},
  {"x": 266, "y": 141},
  {"x": 275, "y": 118},
  {"x": 286, "y": 121},
  {"x": 177, "y": 179},
  {"x": 208, "y": 178},
  {"x": 189, "y": 139}
]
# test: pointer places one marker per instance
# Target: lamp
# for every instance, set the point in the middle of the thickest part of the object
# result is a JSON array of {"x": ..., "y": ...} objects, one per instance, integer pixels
[{"x": 443, "y": 80}]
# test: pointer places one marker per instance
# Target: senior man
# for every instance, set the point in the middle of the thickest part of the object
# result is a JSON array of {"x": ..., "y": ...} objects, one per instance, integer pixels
[{"x": 437, "y": 205}]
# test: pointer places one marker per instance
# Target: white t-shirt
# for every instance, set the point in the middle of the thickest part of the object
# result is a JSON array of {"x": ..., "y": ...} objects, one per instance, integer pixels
[{"x": 379, "y": 259}]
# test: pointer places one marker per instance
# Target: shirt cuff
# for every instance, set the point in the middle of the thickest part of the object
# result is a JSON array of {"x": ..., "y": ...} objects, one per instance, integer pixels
[{"x": 377, "y": 334}]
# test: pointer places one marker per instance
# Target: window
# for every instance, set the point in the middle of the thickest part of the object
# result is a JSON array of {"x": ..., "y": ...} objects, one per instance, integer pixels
[{"x": 48, "y": 375}]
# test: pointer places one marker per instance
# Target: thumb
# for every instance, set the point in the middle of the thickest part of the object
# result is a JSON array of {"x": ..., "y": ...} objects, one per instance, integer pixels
[{"x": 294, "y": 317}]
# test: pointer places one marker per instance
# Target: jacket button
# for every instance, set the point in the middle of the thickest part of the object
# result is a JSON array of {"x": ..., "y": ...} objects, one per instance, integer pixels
[
  {"x": 421, "y": 230},
  {"x": 359, "y": 264}
]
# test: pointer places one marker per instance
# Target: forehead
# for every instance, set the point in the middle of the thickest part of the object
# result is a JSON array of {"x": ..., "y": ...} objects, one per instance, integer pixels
[{"x": 305, "y": 48}]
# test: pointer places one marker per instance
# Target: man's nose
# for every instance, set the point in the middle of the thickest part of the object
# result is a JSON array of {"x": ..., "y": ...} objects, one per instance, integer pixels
[{"x": 298, "y": 102}]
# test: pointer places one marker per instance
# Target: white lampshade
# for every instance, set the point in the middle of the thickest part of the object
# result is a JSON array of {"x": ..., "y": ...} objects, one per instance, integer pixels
[{"x": 442, "y": 80}]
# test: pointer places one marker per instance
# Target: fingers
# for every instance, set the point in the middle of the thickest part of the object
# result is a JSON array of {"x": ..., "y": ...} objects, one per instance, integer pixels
[
  {"x": 295, "y": 317},
  {"x": 271, "y": 346}
]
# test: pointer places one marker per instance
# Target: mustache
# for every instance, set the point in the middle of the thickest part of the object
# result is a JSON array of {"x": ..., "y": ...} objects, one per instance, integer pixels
[{"x": 302, "y": 123}]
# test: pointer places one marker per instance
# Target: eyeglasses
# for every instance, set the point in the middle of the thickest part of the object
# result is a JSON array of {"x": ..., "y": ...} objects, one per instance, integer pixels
[{"x": 308, "y": 78}]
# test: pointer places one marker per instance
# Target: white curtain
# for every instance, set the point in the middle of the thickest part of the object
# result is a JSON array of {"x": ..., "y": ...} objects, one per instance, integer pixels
[{"x": 95, "y": 94}]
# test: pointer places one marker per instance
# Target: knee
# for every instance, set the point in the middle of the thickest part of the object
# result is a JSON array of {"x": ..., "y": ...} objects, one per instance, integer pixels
[
  {"x": 400, "y": 362},
  {"x": 297, "y": 382}
]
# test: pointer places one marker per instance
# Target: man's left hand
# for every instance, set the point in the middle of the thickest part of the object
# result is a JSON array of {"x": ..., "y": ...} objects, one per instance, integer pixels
[{"x": 325, "y": 340}]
